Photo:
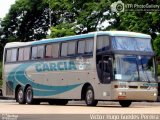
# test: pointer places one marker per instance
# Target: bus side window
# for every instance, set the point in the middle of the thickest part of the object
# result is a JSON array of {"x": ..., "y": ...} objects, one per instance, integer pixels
[
  {"x": 37, "y": 52},
  {"x": 40, "y": 52},
  {"x": 89, "y": 46},
  {"x": 26, "y": 53},
  {"x": 14, "y": 55},
  {"x": 64, "y": 49},
  {"x": 55, "y": 50},
  {"x": 8, "y": 55},
  {"x": 52, "y": 51},
  {"x": 81, "y": 47},
  {"x": 71, "y": 48},
  {"x": 34, "y": 53},
  {"x": 102, "y": 43},
  {"x": 48, "y": 53},
  {"x": 20, "y": 54}
]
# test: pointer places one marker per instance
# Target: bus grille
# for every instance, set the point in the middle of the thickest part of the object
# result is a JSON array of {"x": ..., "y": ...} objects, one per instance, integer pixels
[
  {"x": 143, "y": 87},
  {"x": 9, "y": 88},
  {"x": 133, "y": 87}
]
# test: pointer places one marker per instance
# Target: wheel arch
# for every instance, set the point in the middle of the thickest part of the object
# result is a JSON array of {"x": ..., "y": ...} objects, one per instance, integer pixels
[
  {"x": 16, "y": 90},
  {"x": 84, "y": 88}
]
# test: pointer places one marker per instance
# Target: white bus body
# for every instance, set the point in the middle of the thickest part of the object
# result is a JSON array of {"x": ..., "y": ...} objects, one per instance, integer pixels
[{"x": 36, "y": 71}]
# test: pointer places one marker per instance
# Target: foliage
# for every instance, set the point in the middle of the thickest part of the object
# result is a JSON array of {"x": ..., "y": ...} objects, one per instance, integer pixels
[
  {"x": 25, "y": 21},
  {"x": 158, "y": 71},
  {"x": 62, "y": 30},
  {"x": 85, "y": 14},
  {"x": 157, "y": 45},
  {"x": 0, "y": 74}
]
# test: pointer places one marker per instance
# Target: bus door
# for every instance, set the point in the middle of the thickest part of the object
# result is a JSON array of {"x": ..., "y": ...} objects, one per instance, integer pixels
[{"x": 104, "y": 68}]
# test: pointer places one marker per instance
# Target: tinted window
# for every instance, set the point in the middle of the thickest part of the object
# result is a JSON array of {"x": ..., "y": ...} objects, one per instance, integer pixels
[
  {"x": 89, "y": 46},
  {"x": 71, "y": 48},
  {"x": 8, "y": 55},
  {"x": 52, "y": 51},
  {"x": 81, "y": 47},
  {"x": 48, "y": 51},
  {"x": 102, "y": 43},
  {"x": 14, "y": 55},
  {"x": 64, "y": 49},
  {"x": 55, "y": 50},
  {"x": 26, "y": 53},
  {"x": 34, "y": 53},
  {"x": 40, "y": 52},
  {"x": 37, "y": 52},
  {"x": 20, "y": 54}
]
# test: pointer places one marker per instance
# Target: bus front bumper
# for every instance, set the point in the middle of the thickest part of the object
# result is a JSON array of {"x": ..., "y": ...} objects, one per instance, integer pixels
[{"x": 135, "y": 95}]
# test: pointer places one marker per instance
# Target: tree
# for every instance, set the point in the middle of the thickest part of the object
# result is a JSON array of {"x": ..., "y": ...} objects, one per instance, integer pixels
[
  {"x": 86, "y": 15},
  {"x": 27, "y": 20},
  {"x": 62, "y": 30}
]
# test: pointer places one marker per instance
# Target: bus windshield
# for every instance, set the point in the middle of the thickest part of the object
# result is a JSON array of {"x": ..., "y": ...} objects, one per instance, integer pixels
[
  {"x": 138, "y": 44},
  {"x": 134, "y": 68}
]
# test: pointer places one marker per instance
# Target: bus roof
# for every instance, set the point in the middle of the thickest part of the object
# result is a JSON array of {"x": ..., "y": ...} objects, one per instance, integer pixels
[{"x": 88, "y": 35}]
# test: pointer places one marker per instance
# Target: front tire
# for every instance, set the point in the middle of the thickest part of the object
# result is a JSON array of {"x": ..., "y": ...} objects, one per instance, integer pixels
[
  {"x": 89, "y": 97},
  {"x": 158, "y": 98},
  {"x": 20, "y": 96},
  {"x": 125, "y": 103}
]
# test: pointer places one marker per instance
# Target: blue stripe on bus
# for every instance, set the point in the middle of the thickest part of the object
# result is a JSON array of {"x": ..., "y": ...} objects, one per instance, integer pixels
[
  {"x": 63, "y": 39},
  {"x": 19, "y": 76},
  {"x": 124, "y": 33},
  {"x": 110, "y": 33}
]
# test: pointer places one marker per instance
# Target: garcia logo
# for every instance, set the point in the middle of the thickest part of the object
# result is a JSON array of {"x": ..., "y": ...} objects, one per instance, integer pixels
[{"x": 55, "y": 66}]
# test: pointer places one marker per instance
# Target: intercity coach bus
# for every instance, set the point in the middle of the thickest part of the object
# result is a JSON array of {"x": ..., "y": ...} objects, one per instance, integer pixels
[{"x": 99, "y": 66}]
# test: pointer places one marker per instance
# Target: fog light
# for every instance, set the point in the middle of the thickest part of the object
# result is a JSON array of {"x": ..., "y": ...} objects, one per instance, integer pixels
[
  {"x": 122, "y": 93},
  {"x": 155, "y": 94}
]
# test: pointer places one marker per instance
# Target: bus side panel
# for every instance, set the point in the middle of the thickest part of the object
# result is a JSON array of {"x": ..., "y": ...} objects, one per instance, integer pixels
[{"x": 9, "y": 81}]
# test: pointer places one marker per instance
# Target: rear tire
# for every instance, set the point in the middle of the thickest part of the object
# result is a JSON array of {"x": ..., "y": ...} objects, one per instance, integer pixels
[
  {"x": 89, "y": 97},
  {"x": 125, "y": 103},
  {"x": 20, "y": 96},
  {"x": 29, "y": 97}
]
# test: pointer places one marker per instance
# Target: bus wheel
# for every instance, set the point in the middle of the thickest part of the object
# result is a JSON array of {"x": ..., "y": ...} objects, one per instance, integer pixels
[
  {"x": 158, "y": 98},
  {"x": 29, "y": 95},
  {"x": 20, "y": 96},
  {"x": 125, "y": 103},
  {"x": 89, "y": 97}
]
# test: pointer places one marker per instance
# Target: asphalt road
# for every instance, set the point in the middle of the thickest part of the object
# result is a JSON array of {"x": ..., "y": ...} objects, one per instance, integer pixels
[{"x": 78, "y": 111}]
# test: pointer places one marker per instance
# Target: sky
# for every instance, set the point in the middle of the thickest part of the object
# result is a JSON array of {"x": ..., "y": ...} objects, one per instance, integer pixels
[{"x": 5, "y": 6}]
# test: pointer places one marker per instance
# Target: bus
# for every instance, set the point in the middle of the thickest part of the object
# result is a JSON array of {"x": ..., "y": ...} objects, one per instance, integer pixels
[{"x": 98, "y": 66}]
